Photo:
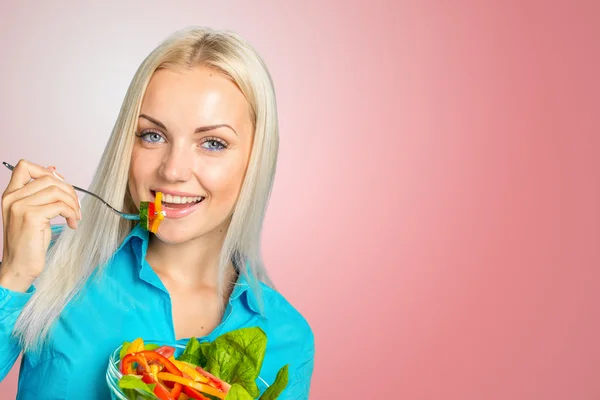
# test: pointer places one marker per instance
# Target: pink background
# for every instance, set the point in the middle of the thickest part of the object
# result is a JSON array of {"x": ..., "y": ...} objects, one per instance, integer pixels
[{"x": 437, "y": 205}]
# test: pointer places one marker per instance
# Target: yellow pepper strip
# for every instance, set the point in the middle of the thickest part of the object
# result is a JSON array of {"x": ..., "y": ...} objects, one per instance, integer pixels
[
  {"x": 154, "y": 370},
  {"x": 190, "y": 371},
  {"x": 158, "y": 215},
  {"x": 136, "y": 345},
  {"x": 158, "y": 203},
  {"x": 156, "y": 223},
  {"x": 165, "y": 376}
]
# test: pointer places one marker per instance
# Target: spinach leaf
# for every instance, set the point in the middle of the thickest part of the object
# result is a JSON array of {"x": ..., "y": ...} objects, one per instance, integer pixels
[
  {"x": 133, "y": 382},
  {"x": 275, "y": 390},
  {"x": 238, "y": 392},
  {"x": 237, "y": 356}
]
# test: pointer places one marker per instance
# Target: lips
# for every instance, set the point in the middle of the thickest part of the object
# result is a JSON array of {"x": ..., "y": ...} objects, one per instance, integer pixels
[{"x": 176, "y": 210}]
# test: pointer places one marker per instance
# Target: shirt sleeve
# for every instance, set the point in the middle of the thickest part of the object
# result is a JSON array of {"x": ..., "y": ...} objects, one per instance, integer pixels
[
  {"x": 11, "y": 305},
  {"x": 300, "y": 376}
]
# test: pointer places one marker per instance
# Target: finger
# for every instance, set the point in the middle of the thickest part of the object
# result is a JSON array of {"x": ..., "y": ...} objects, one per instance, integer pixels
[
  {"x": 50, "y": 211},
  {"x": 40, "y": 184},
  {"x": 23, "y": 173},
  {"x": 48, "y": 195}
]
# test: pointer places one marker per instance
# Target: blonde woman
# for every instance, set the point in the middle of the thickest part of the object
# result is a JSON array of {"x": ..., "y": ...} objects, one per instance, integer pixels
[{"x": 198, "y": 123}]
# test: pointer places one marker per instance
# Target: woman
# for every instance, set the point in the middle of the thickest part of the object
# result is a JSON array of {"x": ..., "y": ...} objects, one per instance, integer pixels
[{"x": 199, "y": 124}]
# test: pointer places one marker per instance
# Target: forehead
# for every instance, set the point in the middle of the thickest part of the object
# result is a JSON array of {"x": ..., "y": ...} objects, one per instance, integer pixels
[{"x": 195, "y": 96}]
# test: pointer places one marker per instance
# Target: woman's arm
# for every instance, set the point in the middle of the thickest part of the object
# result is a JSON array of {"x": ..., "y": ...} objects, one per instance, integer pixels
[{"x": 11, "y": 305}]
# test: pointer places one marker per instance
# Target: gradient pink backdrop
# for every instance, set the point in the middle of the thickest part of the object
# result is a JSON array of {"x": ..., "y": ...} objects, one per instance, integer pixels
[{"x": 436, "y": 208}]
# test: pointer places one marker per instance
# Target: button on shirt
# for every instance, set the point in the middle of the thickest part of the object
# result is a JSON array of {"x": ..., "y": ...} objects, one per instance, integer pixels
[{"x": 128, "y": 300}]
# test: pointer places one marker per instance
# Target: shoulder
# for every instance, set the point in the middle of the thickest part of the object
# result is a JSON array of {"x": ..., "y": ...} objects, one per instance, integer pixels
[{"x": 285, "y": 318}]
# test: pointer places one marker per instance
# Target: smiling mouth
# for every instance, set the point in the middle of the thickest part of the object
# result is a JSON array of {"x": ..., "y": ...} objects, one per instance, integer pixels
[{"x": 178, "y": 202}]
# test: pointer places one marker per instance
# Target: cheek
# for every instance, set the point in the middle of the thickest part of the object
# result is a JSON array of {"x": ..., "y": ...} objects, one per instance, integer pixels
[
  {"x": 224, "y": 182},
  {"x": 138, "y": 173}
]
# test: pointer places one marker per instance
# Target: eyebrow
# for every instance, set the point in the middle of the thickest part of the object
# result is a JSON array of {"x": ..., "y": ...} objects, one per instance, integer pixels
[{"x": 198, "y": 130}]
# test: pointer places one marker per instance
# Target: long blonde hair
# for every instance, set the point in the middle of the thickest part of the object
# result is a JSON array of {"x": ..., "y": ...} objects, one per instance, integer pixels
[{"x": 78, "y": 254}]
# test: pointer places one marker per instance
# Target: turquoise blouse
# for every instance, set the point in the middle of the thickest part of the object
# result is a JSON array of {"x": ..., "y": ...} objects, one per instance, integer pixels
[{"x": 129, "y": 301}]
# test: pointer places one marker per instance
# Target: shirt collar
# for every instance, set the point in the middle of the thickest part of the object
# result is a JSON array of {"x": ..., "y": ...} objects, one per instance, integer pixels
[{"x": 242, "y": 290}]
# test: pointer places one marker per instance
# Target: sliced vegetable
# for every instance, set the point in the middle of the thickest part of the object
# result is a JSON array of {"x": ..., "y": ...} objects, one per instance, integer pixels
[
  {"x": 129, "y": 360},
  {"x": 159, "y": 390},
  {"x": 194, "y": 394},
  {"x": 151, "y": 213},
  {"x": 144, "y": 214},
  {"x": 190, "y": 370},
  {"x": 154, "y": 356},
  {"x": 201, "y": 387},
  {"x": 136, "y": 345},
  {"x": 156, "y": 222},
  {"x": 165, "y": 351},
  {"x": 213, "y": 380}
]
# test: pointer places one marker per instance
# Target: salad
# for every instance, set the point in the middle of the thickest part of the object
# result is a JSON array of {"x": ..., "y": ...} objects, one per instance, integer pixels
[
  {"x": 226, "y": 368},
  {"x": 151, "y": 214}
]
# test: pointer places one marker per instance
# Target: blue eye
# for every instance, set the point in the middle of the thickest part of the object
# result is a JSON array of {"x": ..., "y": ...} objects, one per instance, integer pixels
[
  {"x": 151, "y": 137},
  {"x": 214, "y": 145}
]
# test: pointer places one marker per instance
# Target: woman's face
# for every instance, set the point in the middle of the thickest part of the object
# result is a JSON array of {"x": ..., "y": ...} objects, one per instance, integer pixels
[{"x": 193, "y": 143}]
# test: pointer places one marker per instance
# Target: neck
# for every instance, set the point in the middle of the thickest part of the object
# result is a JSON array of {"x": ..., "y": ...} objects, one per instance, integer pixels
[{"x": 191, "y": 263}]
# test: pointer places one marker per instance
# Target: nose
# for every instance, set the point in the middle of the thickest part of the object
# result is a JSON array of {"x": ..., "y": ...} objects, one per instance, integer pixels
[{"x": 176, "y": 165}]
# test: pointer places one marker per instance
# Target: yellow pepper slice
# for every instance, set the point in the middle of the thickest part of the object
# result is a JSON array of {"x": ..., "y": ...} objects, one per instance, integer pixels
[
  {"x": 158, "y": 215},
  {"x": 136, "y": 345},
  {"x": 156, "y": 223},
  {"x": 190, "y": 371},
  {"x": 154, "y": 369},
  {"x": 165, "y": 376},
  {"x": 158, "y": 203}
]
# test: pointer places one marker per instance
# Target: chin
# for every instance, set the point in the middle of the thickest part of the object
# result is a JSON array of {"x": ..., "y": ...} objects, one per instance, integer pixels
[{"x": 173, "y": 234}]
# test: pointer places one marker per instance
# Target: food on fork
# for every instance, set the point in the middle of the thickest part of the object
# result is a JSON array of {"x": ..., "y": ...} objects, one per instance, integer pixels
[{"x": 151, "y": 214}]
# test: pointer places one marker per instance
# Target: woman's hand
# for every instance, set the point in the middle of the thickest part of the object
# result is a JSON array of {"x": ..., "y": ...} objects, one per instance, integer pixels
[{"x": 33, "y": 197}]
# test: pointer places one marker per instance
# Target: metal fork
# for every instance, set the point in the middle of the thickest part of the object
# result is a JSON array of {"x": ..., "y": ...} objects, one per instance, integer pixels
[{"x": 132, "y": 217}]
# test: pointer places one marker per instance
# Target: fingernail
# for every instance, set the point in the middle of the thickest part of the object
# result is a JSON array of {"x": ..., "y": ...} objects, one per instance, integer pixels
[
  {"x": 58, "y": 176},
  {"x": 52, "y": 168},
  {"x": 79, "y": 207}
]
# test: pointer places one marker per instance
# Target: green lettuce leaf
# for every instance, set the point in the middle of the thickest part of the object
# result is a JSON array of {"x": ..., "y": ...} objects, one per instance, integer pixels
[
  {"x": 151, "y": 346},
  {"x": 275, "y": 390},
  {"x": 124, "y": 349},
  {"x": 130, "y": 383},
  {"x": 238, "y": 392},
  {"x": 237, "y": 357},
  {"x": 194, "y": 352}
]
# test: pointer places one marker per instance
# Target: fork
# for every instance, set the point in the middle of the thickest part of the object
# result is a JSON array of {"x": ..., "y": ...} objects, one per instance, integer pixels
[{"x": 132, "y": 217}]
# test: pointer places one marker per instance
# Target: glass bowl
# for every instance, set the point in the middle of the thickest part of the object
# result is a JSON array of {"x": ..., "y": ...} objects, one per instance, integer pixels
[{"x": 113, "y": 374}]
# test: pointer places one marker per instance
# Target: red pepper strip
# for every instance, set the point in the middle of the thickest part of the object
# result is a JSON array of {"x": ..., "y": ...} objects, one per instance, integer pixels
[
  {"x": 165, "y": 351},
  {"x": 159, "y": 390},
  {"x": 151, "y": 355},
  {"x": 214, "y": 381},
  {"x": 129, "y": 359},
  {"x": 154, "y": 356},
  {"x": 151, "y": 216},
  {"x": 194, "y": 394}
]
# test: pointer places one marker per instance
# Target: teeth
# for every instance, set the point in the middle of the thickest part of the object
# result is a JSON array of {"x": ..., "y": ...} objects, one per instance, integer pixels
[{"x": 167, "y": 198}]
